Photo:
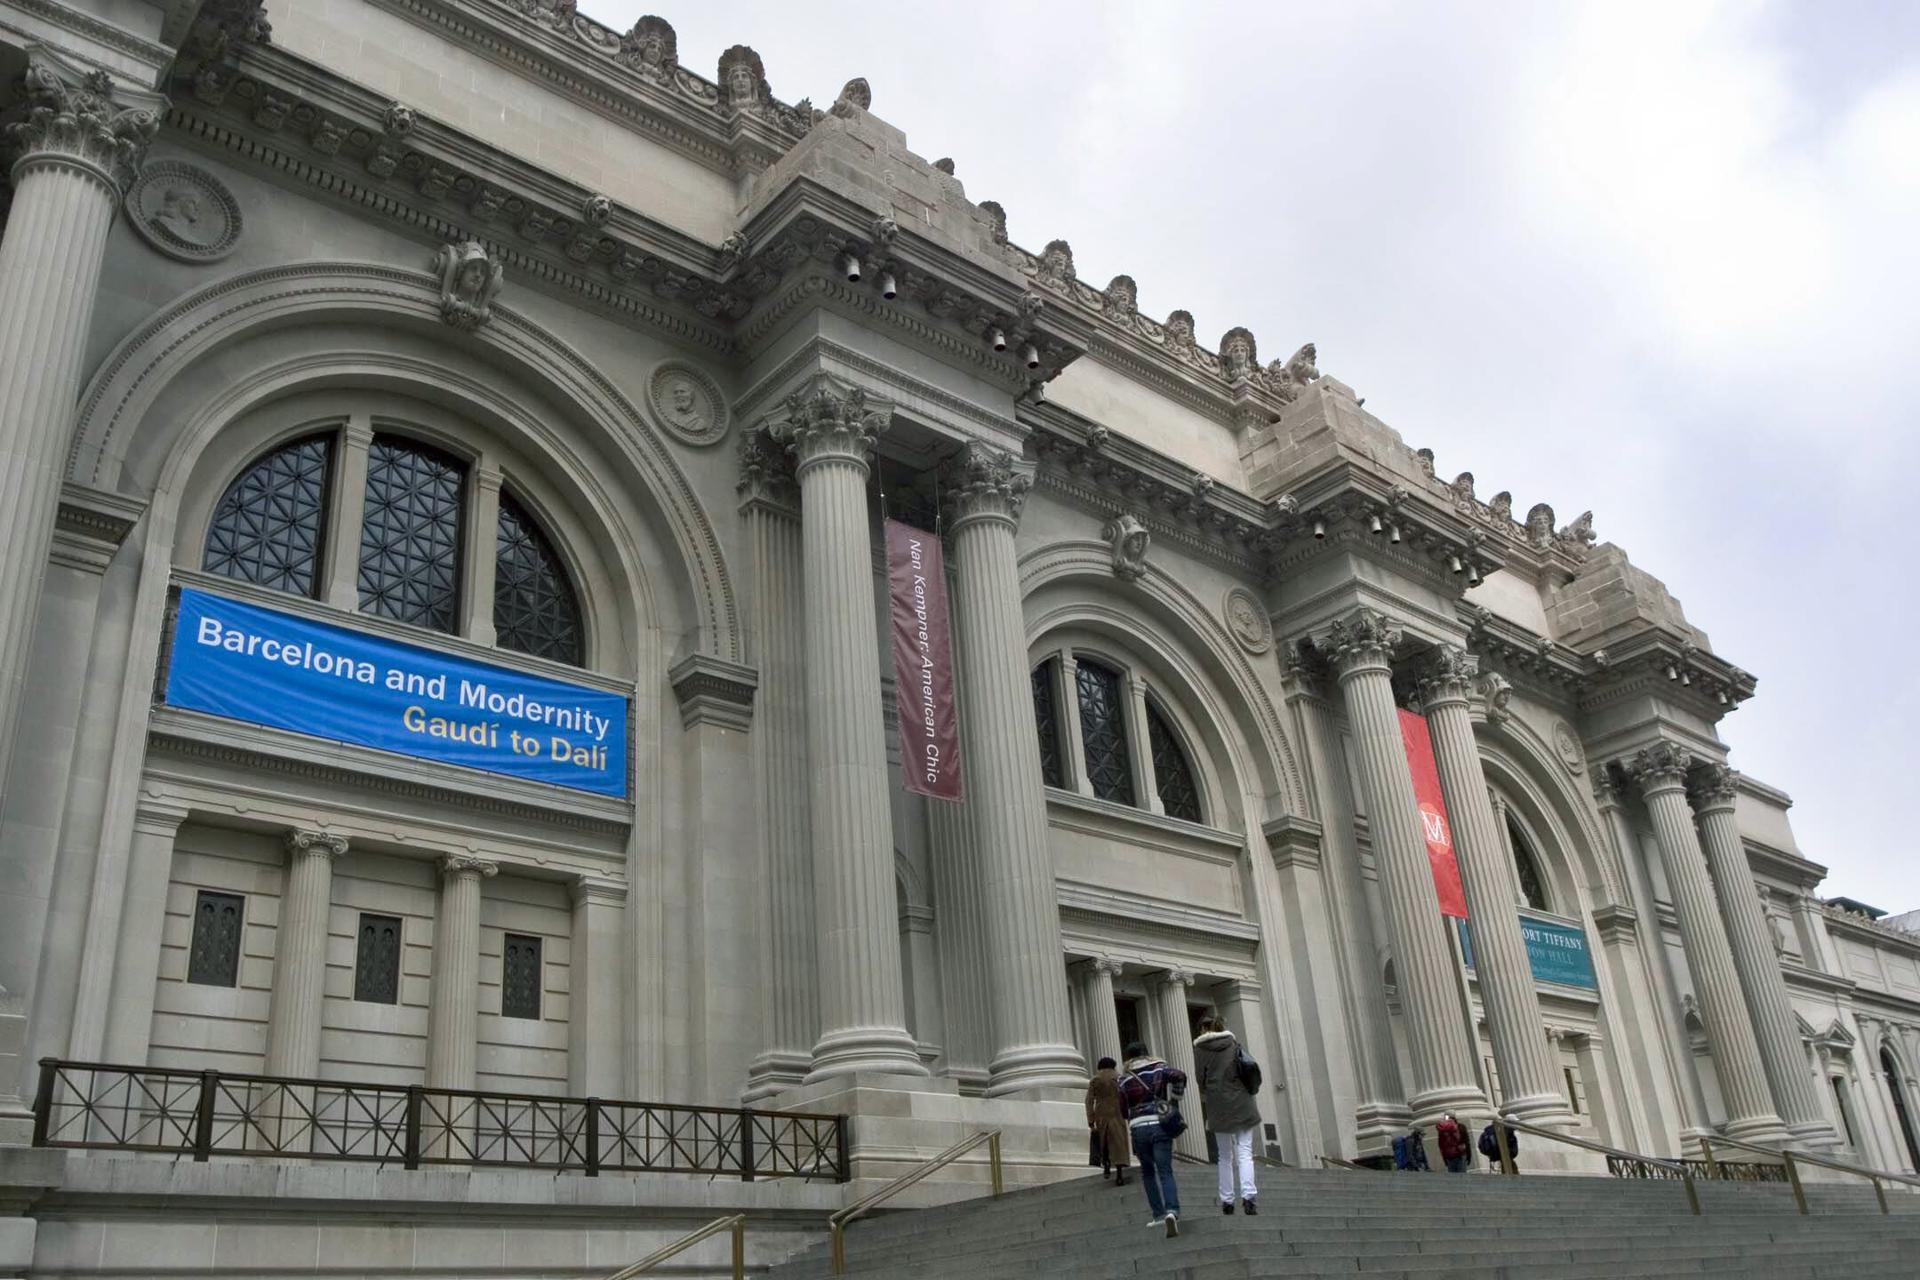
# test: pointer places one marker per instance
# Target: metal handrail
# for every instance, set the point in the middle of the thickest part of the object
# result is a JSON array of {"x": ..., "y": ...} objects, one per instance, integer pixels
[
  {"x": 737, "y": 1224},
  {"x": 1794, "y": 1159},
  {"x": 839, "y": 1222},
  {"x": 1501, "y": 1124}
]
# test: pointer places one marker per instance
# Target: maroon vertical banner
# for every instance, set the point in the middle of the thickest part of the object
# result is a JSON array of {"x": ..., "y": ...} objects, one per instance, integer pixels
[
  {"x": 1433, "y": 815},
  {"x": 922, "y": 662}
]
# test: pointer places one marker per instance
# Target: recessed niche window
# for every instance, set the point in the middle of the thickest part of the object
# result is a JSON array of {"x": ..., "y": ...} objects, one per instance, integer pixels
[
  {"x": 1111, "y": 718},
  {"x": 520, "y": 976},
  {"x": 213, "y": 957},
  {"x": 376, "y": 961}
]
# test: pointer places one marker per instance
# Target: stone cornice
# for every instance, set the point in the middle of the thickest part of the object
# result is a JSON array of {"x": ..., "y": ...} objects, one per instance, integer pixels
[
  {"x": 1099, "y": 907},
  {"x": 1813, "y": 980},
  {"x": 1800, "y": 872},
  {"x": 90, "y": 524},
  {"x": 106, "y": 34},
  {"x": 714, "y": 691},
  {"x": 1869, "y": 931}
]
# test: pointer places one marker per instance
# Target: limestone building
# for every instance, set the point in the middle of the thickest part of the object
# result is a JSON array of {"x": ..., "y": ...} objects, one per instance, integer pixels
[{"x": 343, "y": 340}]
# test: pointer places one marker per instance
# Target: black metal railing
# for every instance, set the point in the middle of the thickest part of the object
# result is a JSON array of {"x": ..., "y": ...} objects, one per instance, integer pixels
[{"x": 202, "y": 1114}]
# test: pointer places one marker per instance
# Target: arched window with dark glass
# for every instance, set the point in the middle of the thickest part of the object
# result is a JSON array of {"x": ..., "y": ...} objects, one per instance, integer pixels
[
  {"x": 271, "y": 522},
  {"x": 1103, "y": 731},
  {"x": 534, "y": 607},
  {"x": 1047, "y": 721},
  {"x": 1526, "y": 865},
  {"x": 410, "y": 538},
  {"x": 1172, "y": 773}
]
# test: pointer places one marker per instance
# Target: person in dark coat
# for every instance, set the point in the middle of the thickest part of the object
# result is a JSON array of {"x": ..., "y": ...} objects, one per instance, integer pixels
[
  {"x": 1105, "y": 1122},
  {"x": 1231, "y": 1109},
  {"x": 1149, "y": 1087},
  {"x": 1453, "y": 1144}
]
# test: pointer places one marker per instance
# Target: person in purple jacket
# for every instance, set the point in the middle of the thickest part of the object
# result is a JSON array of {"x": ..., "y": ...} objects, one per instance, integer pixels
[{"x": 1150, "y": 1093}]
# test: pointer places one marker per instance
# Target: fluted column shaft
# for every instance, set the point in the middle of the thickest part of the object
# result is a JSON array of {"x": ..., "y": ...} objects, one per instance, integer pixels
[
  {"x": 957, "y": 896},
  {"x": 1443, "y": 1072},
  {"x": 862, "y": 999},
  {"x": 1661, "y": 771},
  {"x": 1169, "y": 991},
  {"x": 1103, "y": 1015},
  {"x": 1032, "y": 1023},
  {"x": 76, "y": 149},
  {"x": 453, "y": 1016},
  {"x": 1754, "y": 960},
  {"x": 1528, "y": 1077},
  {"x": 300, "y": 954}
]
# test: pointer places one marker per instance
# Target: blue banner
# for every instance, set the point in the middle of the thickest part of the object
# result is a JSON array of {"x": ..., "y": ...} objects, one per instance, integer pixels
[
  {"x": 265, "y": 667},
  {"x": 1556, "y": 952}
]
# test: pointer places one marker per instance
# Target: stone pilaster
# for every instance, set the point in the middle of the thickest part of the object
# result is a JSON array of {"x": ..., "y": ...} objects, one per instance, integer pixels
[
  {"x": 73, "y": 149},
  {"x": 961, "y": 943},
  {"x": 594, "y": 982},
  {"x": 1442, "y": 1059},
  {"x": 862, "y": 1000},
  {"x": 1027, "y": 992},
  {"x": 1103, "y": 1016},
  {"x": 300, "y": 954},
  {"x": 1530, "y": 1086},
  {"x": 1754, "y": 960},
  {"x": 1169, "y": 991},
  {"x": 453, "y": 1016},
  {"x": 1661, "y": 771},
  {"x": 128, "y": 1025}
]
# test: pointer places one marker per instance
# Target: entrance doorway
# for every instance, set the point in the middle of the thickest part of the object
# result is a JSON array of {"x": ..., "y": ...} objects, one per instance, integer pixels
[{"x": 1128, "y": 1009}]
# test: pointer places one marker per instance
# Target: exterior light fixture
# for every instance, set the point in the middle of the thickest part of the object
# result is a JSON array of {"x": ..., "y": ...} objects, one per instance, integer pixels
[
  {"x": 1722, "y": 696},
  {"x": 1453, "y": 563},
  {"x": 1686, "y": 677},
  {"x": 1473, "y": 575},
  {"x": 1671, "y": 673},
  {"x": 888, "y": 289},
  {"x": 1396, "y": 534},
  {"x": 1320, "y": 529},
  {"x": 849, "y": 267},
  {"x": 1374, "y": 525},
  {"x": 997, "y": 339},
  {"x": 1030, "y": 355}
]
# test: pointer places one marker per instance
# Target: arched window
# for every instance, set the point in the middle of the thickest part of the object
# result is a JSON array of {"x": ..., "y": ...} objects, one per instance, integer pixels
[
  {"x": 1897, "y": 1087},
  {"x": 410, "y": 538},
  {"x": 1172, "y": 775},
  {"x": 1047, "y": 722},
  {"x": 271, "y": 522},
  {"x": 1103, "y": 731},
  {"x": 1526, "y": 865},
  {"x": 534, "y": 608}
]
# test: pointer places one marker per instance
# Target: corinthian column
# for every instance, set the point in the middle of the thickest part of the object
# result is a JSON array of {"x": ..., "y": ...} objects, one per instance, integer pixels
[
  {"x": 1661, "y": 771},
  {"x": 1026, "y": 977},
  {"x": 1169, "y": 991},
  {"x": 300, "y": 954},
  {"x": 1103, "y": 1016},
  {"x": 1443, "y": 1075},
  {"x": 1754, "y": 959},
  {"x": 73, "y": 150},
  {"x": 453, "y": 1018},
  {"x": 1527, "y": 1074},
  {"x": 863, "y": 1024}
]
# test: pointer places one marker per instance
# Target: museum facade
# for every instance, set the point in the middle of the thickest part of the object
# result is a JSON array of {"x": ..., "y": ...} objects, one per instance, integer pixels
[{"x": 443, "y": 650}]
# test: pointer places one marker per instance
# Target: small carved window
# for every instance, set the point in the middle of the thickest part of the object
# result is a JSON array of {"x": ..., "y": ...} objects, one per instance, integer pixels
[
  {"x": 534, "y": 607},
  {"x": 410, "y": 540},
  {"x": 520, "y": 977},
  {"x": 213, "y": 958},
  {"x": 376, "y": 965},
  {"x": 1172, "y": 774},
  {"x": 1526, "y": 865},
  {"x": 271, "y": 522},
  {"x": 1103, "y": 731},
  {"x": 1048, "y": 723}
]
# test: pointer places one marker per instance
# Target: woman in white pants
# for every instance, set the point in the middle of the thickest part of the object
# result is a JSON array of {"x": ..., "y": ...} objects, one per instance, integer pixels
[{"x": 1229, "y": 1081}]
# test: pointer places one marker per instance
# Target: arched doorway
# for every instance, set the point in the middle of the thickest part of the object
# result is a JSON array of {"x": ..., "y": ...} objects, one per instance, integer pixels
[{"x": 1897, "y": 1088}]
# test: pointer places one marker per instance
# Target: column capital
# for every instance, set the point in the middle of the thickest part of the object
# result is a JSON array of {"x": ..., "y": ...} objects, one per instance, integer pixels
[
  {"x": 1182, "y": 978},
  {"x": 72, "y": 117},
  {"x": 824, "y": 424},
  {"x": 1712, "y": 786},
  {"x": 766, "y": 473},
  {"x": 454, "y": 865},
  {"x": 1448, "y": 676},
  {"x": 982, "y": 484},
  {"x": 1109, "y": 965},
  {"x": 314, "y": 844},
  {"x": 1364, "y": 640},
  {"x": 1660, "y": 767},
  {"x": 1609, "y": 789}
]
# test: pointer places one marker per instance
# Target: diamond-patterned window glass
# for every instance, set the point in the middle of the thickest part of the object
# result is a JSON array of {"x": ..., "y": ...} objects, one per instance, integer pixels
[
  {"x": 1103, "y": 731},
  {"x": 534, "y": 608},
  {"x": 271, "y": 522},
  {"x": 213, "y": 957},
  {"x": 520, "y": 977},
  {"x": 1172, "y": 772},
  {"x": 410, "y": 540},
  {"x": 1526, "y": 864},
  {"x": 1047, "y": 722},
  {"x": 376, "y": 962}
]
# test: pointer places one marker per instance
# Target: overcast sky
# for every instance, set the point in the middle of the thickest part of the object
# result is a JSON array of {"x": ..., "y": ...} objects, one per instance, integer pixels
[{"x": 1662, "y": 262}]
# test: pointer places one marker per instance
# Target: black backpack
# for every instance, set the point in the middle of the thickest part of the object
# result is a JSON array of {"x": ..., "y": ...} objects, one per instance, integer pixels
[{"x": 1246, "y": 1068}]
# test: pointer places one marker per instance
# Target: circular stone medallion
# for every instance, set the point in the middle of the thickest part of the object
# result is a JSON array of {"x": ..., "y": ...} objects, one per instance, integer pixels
[
  {"x": 687, "y": 404},
  {"x": 1248, "y": 621},
  {"x": 184, "y": 212},
  {"x": 1568, "y": 745}
]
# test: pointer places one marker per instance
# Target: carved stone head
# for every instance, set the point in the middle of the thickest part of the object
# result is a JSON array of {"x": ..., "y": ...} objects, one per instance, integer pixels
[
  {"x": 743, "y": 79},
  {"x": 1128, "y": 538},
  {"x": 1122, "y": 298},
  {"x": 1180, "y": 332},
  {"x": 651, "y": 47},
  {"x": 1238, "y": 358},
  {"x": 1056, "y": 264},
  {"x": 996, "y": 218},
  {"x": 469, "y": 282},
  {"x": 856, "y": 92},
  {"x": 1540, "y": 525}
]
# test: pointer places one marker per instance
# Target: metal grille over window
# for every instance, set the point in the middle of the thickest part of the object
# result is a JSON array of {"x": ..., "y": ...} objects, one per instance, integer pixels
[
  {"x": 376, "y": 965},
  {"x": 271, "y": 522},
  {"x": 1172, "y": 775},
  {"x": 520, "y": 977},
  {"x": 1047, "y": 723},
  {"x": 410, "y": 540},
  {"x": 1103, "y": 731},
  {"x": 534, "y": 608},
  {"x": 1526, "y": 865},
  {"x": 213, "y": 958}
]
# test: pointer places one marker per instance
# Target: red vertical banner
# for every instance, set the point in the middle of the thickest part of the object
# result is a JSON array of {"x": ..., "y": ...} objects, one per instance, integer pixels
[
  {"x": 1433, "y": 814},
  {"x": 922, "y": 662}
]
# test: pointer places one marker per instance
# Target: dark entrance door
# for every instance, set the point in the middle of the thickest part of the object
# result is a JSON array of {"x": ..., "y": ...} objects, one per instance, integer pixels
[{"x": 1127, "y": 1008}]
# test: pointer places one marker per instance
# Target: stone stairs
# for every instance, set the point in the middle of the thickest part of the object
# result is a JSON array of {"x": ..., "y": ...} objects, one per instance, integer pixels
[{"x": 1386, "y": 1226}]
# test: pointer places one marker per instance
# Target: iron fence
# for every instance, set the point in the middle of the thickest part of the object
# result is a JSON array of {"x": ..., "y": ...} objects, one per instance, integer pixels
[
  {"x": 202, "y": 1114},
  {"x": 1706, "y": 1170}
]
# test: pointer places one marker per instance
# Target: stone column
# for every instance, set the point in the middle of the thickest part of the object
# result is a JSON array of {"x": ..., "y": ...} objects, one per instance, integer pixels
[
  {"x": 453, "y": 1017},
  {"x": 483, "y": 511},
  {"x": 1169, "y": 991},
  {"x": 594, "y": 987},
  {"x": 862, "y": 1001},
  {"x": 300, "y": 954},
  {"x": 1527, "y": 1077},
  {"x": 75, "y": 150},
  {"x": 136, "y": 961},
  {"x": 1027, "y": 991},
  {"x": 1754, "y": 959},
  {"x": 1442, "y": 1059},
  {"x": 1146, "y": 791},
  {"x": 917, "y": 931},
  {"x": 1661, "y": 771},
  {"x": 1103, "y": 1016},
  {"x": 961, "y": 941},
  {"x": 340, "y": 562}
]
